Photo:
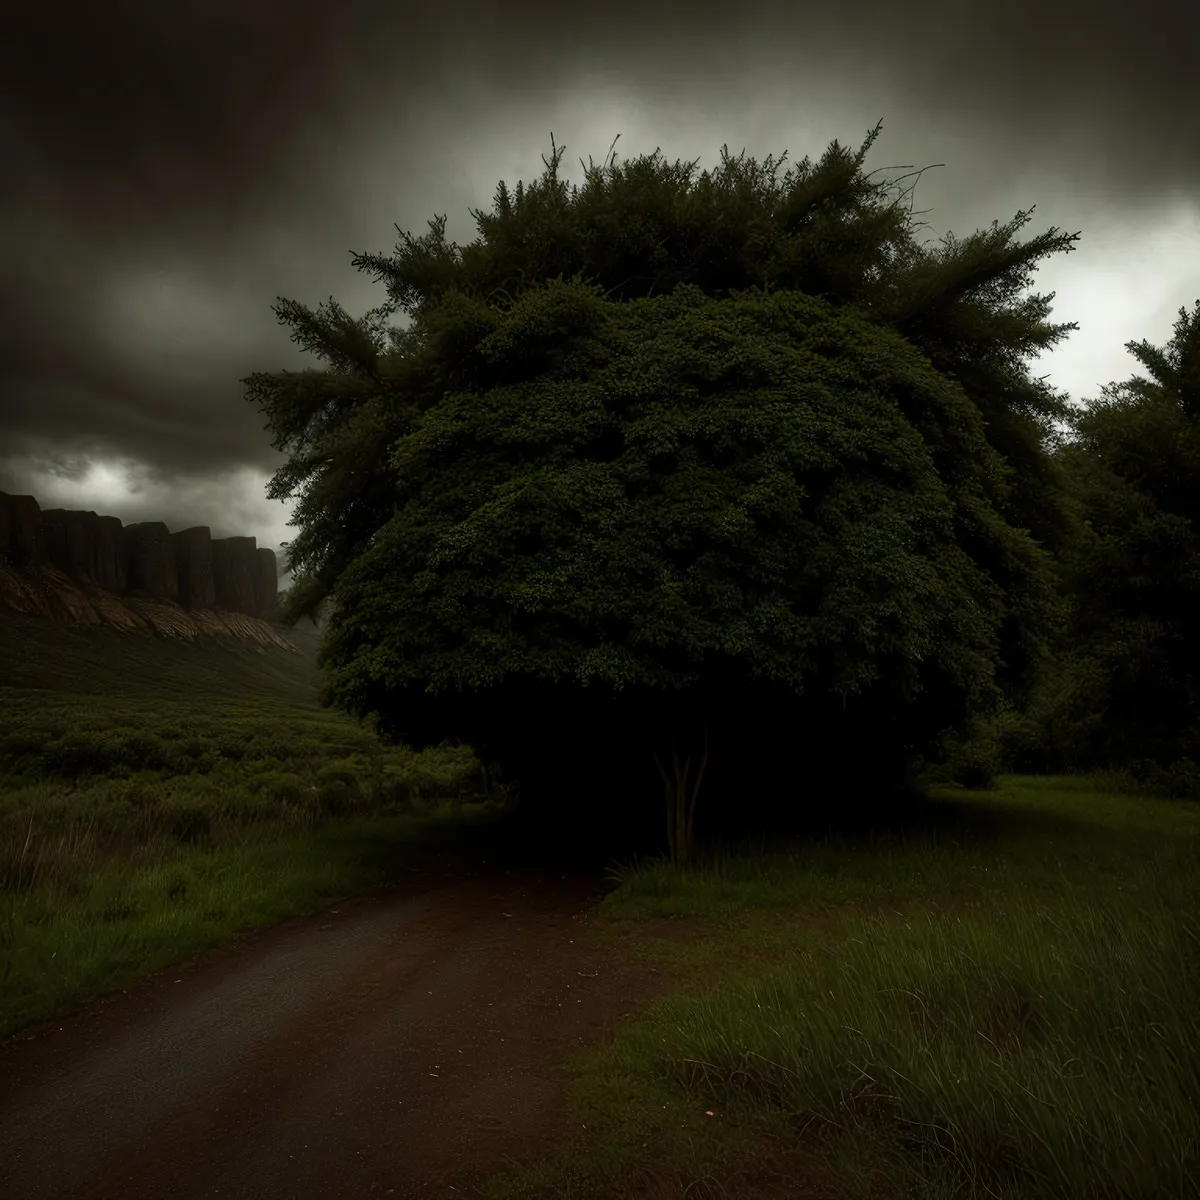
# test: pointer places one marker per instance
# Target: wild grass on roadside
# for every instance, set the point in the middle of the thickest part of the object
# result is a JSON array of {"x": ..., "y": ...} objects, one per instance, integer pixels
[
  {"x": 104, "y": 929},
  {"x": 1023, "y": 1027},
  {"x": 140, "y": 827},
  {"x": 1033, "y": 1053}
]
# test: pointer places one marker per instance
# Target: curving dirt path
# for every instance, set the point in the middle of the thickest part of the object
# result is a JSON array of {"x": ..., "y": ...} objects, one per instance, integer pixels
[{"x": 402, "y": 1043}]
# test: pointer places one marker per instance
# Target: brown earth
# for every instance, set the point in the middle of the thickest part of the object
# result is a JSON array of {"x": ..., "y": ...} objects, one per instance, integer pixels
[{"x": 403, "y": 1043}]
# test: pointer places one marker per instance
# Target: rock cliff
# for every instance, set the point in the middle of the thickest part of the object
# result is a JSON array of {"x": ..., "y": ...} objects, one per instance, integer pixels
[{"x": 79, "y": 568}]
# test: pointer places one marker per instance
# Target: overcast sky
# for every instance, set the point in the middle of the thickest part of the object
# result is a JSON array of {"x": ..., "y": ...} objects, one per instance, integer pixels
[{"x": 168, "y": 170}]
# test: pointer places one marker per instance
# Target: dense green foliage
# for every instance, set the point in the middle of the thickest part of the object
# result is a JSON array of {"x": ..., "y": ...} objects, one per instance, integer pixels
[
  {"x": 735, "y": 442},
  {"x": 1123, "y": 689},
  {"x": 636, "y": 230},
  {"x": 763, "y": 496}
]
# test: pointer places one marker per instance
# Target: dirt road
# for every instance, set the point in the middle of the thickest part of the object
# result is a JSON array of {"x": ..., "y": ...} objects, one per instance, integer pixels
[{"x": 399, "y": 1044}]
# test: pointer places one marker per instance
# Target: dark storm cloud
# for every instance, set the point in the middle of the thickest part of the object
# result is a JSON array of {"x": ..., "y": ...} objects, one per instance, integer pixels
[{"x": 170, "y": 169}]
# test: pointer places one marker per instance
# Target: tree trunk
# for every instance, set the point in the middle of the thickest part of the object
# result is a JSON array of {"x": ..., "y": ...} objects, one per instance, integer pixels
[{"x": 682, "y": 777}]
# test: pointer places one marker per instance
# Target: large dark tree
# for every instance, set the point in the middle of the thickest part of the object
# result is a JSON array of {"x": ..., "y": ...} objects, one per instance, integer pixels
[
  {"x": 1125, "y": 692},
  {"x": 710, "y": 474}
]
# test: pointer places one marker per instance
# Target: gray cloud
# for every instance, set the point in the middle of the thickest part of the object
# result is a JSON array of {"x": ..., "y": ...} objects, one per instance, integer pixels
[{"x": 172, "y": 169}]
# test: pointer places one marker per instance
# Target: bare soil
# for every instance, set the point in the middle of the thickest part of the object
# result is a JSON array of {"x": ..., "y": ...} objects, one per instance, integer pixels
[{"x": 403, "y": 1043}]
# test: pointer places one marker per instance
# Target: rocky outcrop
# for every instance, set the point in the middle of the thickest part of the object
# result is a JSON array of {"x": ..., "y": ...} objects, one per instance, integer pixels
[
  {"x": 235, "y": 570},
  {"x": 194, "y": 564},
  {"x": 111, "y": 572},
  {"x": 68, "y": 535},
  {"x": 79, "y": 568},
  {"x": 43, "y": 590},
  {"x": 24, "y": 528},
  {"x": 266, "y": 583},
  {"x": 150, "y": 558}
]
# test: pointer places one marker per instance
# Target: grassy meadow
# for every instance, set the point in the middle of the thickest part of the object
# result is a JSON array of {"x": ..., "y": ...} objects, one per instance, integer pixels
[
  {"x": 998, "y": 1002},
  {"x": 158, "y": 800}
]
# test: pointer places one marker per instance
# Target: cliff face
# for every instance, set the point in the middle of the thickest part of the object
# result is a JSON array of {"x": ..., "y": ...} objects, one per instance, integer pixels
[{"x": 82, "y": 569}]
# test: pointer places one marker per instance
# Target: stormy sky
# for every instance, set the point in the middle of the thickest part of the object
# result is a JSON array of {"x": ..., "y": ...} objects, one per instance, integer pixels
[{"x": 168, "y": 170}]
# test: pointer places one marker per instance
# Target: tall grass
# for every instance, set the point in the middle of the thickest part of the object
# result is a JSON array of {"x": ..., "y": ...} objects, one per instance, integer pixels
[
  {"x": 1003, "y": 1005},
  {"x": 131, "y": 839},
  {"x": 157, "y": 799},
  {"x": 81, "y": 786},
  {"x": 74, "y": 936},
  {"x": 1014, "y": 1052}
]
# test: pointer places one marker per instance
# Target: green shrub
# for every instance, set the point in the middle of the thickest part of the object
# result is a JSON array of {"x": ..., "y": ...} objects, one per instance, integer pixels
[
  {"x": 1179, "y": 780},
  {"x": 338, "y": 798},
  {"x": 188, "y": 823},
  {"x": 338, "y": 791},
  {"x": 1062, "y": 728},
  {"x": 973, "y": 759},
  {"x": 282, "y": 787},
  {"x": 77, "y": 754},
  {"x": 392, "y": 792},
  {"x": 143, "y": 751},
  {"x": 192, "y": 750},
  {"x": 18, "y": 747}
]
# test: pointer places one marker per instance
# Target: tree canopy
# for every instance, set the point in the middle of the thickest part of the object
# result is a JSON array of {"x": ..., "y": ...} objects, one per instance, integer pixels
[
  {"x": 639, "y": 228},
  {"x": 732, "y": 450}
]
